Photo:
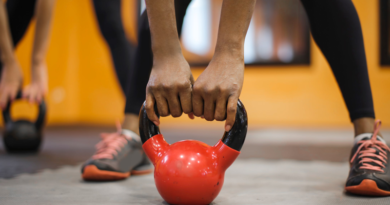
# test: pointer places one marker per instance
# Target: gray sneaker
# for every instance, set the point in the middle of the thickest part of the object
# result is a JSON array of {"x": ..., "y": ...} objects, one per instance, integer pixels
[{"x": 118, "y": 156}]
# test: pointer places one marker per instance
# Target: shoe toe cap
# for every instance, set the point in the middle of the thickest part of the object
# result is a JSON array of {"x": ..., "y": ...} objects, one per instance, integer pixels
[
  {"x": 100, "y": 164},
  {"x": 380, "y": 180}
]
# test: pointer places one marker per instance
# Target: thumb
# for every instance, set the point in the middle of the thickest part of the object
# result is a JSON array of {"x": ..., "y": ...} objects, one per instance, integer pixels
[
  {"x": 231, "y": 113},
  {"x": 150, "y": 101}
]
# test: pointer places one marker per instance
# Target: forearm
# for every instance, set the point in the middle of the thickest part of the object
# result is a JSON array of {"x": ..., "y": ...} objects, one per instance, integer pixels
[
  {"x": 43, "y": 13},
  {"x": 162, "y": 21},
  {"x": 6, "y": 47},
  {"x": 234, "y": 23}
]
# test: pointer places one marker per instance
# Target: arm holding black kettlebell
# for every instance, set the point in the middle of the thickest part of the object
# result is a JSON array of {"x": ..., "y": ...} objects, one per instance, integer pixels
[
  {"x": 215, "y": 93},
  {"x": 170, "y": 82},
  {"x": 11, "y": 75},
  {"x": 38, "y": 86}
]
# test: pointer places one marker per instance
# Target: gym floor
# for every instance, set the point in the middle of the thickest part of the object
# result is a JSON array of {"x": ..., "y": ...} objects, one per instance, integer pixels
[{"x": 276, "y": 166}]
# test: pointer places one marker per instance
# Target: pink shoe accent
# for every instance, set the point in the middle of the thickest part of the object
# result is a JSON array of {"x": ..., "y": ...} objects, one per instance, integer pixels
[
  {"x": 110, "y": 145},
  {"x": 368, "y": 149}
]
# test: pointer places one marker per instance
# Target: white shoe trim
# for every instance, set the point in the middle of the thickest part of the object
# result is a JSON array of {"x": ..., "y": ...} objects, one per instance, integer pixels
[
  {"x": 131, "y": 134},
  {"x": 368, "y": 135}
]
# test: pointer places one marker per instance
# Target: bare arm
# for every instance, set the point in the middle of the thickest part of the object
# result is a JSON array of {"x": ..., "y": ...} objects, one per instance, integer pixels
[
  {"x": 44, "y": 13},
  {"x": 218, "y": 88},
  {"x": 6, "y": 47},
  {"x": 11, "y": 77},
  {"x": 38, "y": 87},
  {"x": 170, "y": 82}
]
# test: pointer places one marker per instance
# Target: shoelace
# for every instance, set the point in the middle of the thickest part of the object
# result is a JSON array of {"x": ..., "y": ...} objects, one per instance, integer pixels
[
  {"x": 110, "y": 145},
  {"x": 369, "y": 148}
]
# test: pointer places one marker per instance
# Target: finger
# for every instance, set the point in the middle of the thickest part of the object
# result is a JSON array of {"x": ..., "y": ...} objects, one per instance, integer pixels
[
  {"x": 186, "y": 100},
  {"x": 149, "y": 106},
  {"x": 220, "y": 109},
  {"x": 174, "y": 105},
  {"x": 3, "y": 99},
  {"x": 12, "y": 94},
  {"x": 191, "y": 116},
  {"x": 197, "y": 104},
  {"x": 162, "y": 105},
  {"x": 32, "y": 95},
  {"x": 26, "y": 92},
  {"x": 39, "y": 97},
  {"x": 209, "y": 109},
  {"x": 231, "y": 113}
]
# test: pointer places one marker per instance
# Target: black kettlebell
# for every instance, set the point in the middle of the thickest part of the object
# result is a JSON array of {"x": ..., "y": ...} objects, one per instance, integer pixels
[{"x": 23, "y": 135}]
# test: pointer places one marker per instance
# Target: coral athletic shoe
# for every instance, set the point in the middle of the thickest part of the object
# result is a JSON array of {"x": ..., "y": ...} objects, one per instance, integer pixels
[
  {"x": 370, "y": 165},
  {"x": 118, "y": 156}
]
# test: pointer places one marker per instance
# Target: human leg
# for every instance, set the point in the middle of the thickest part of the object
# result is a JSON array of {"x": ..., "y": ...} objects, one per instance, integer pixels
[
  {"x": 108, "y": 14},
  {"x": 119, "y": 154},
  {"x": 19, "y": 14},
  {"x": 143, "y": 63},
  {"x": 335, "y": 27}
]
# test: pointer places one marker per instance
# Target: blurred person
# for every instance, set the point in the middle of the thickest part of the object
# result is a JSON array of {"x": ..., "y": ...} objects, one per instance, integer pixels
[
  {"x": 120, "y": 154},
  {"x": 336, "y": 29},
  {"x": 15, "y": 17}
]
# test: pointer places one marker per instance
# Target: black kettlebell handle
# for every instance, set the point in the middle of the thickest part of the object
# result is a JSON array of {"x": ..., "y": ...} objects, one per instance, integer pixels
[
  {"x": 41, "y": 113},
  {"x": 234, "y": 138}
]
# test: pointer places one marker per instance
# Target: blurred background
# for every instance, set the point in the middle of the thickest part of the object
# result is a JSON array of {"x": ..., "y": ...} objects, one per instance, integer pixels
[
  {"x": 297, "y": 117},
  {"x": 287, "y": 80},
  {"x": 294, "y": 106}
]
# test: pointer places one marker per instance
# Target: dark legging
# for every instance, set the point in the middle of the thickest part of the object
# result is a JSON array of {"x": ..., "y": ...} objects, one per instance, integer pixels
[
  {"x": 335, "y": 28},
  {"x": 132, "y": 63},
  {"x": 19, "y": 13},
  {"x": 108, "y": 14}
]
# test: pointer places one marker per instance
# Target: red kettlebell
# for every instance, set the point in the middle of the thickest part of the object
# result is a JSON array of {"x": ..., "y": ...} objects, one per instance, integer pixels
[{"x": 190, "y": 171}]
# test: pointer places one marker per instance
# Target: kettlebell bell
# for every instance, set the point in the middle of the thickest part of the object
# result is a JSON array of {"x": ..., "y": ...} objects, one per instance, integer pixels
[
  {"x": 190, "y": 171},
  {"x": 23, "y": 135}
]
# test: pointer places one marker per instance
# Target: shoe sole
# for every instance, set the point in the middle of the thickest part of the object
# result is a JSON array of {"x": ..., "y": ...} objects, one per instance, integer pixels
[
  {"x": 367, "y": 187},
  {"x": 92, "y": 173}
]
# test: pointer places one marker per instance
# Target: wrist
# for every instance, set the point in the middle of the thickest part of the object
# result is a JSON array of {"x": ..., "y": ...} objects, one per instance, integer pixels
[
  {"x": 168, "y": 56},
  {"x": 167, "y": 46},
  {"x": 162, "y": 52},
  {"x": 8, "y": 60},
  {"x": 230, "y": 55},
  {"x": 37, "y": 62},
  {"x": 234, "y": 51}
]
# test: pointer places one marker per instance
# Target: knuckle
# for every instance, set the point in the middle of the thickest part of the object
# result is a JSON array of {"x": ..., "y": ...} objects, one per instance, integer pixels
[
  {"x": 176, "y": 111},
  {"x": 156, "y": 87},
  {"x": 187, "y": 110},
  {"x": 183, "y": 86},
  {"x": 231, "y": 109},
  {"x": 223, "y": 89},
  {"x": 219, "y": 117},
  {"x": 197, "y": 113},
  {"x": 163, "y": 113},
  {"x": 196, "y": 89},
  {"x": 168, "y": 87},
  {"x": 150, "y": 87},
  {"x": 208, "y": 90},
  {"x": 209, "y": 117},
  {"x": 148, "y": 106},
  {"x": 176, "y": 114}
]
